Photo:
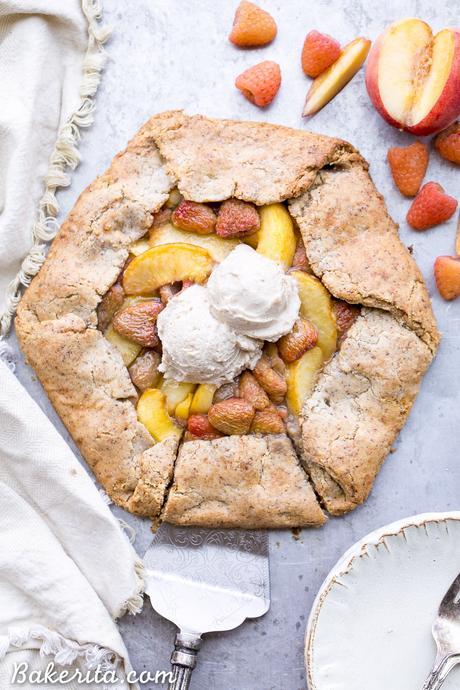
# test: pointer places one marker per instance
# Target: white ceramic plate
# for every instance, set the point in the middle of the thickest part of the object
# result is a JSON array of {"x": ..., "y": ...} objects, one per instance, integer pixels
[{"x": 370, "y": 626}]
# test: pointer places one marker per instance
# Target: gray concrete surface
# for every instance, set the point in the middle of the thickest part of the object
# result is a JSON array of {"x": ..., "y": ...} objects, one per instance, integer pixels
[{"x": 168, "y": 54}]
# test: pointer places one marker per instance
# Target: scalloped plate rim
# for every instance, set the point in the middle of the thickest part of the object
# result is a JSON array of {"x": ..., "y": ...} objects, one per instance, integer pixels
[{"x": 345, "y": 564}]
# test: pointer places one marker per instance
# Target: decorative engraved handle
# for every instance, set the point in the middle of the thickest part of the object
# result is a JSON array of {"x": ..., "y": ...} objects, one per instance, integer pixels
[
  {"x": 440, "y": 672},
  {"x": 183, "y": 660}
]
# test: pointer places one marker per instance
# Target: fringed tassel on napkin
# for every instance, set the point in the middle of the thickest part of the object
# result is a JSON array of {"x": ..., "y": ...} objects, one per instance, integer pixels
[
  {"x": 63, "y": 651},
  {"x": 64, "y": 157}
]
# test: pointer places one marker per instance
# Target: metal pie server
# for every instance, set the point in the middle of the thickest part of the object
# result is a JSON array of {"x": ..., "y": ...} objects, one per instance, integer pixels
[
  {"x": 446, "y": 632},
  {"x": 205, "y": 581}
]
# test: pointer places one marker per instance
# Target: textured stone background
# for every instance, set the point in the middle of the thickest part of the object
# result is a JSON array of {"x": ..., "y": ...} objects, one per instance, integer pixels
[{"x": 174, "y": 54}]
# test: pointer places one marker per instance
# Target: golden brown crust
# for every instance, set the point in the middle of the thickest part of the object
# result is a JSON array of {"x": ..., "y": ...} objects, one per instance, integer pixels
[
  {"x": 82, "y": 373},
  {"x": 360, "y": 404},
  {"x": 241, "y": 481},
  {"x": 90, "y": 388},
  {"x": 353, "y": 246},
  {"x": 342, "y": 219},
  {"x": 213, "y": 160}
]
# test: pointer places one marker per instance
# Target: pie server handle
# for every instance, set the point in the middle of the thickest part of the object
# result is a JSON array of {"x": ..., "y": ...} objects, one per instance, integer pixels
[{"x": 183, "y": 659}]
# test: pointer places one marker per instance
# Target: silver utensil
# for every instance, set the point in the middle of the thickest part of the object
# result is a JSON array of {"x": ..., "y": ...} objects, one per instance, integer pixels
[
  {"x": 205, "y": 581},
  {"x": 446, "y": 632}
]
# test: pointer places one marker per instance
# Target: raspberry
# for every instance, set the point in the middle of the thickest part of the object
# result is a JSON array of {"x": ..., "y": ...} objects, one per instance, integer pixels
[
  {"x": 200, "y": 426},
  {"x": 430, "y": 207},
  {"x": 345, "y": 316},
  {"x": 191, "y": 215},
  {"x": 260, "y": 83},
  {"x": 252, "y": 26},
  {"x": 237, "y": 218},
  {"x": 447, "y": 143},
  {"x": 318, "y": 53},
  {"x": 408, "y": 166},
  {"x": 447, "y": 275}
]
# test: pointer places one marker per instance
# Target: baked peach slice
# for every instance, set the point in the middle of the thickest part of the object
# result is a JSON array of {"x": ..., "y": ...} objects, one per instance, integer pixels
[
  {"x": 329, "y": 83},
  {"x": 182, "y": 411},
  {"x": 166, "y": 264},
  {"x": 217, "y": 247},
  {"x": 126, "y": 348},
  {"x": 277, "y": 240},
  {"x": 176, "y": 392},
  {"x": 301, "y": 378},
  {"x": 139, "y": 247},
  {"x": 203, "y": 398},
  {"x": 413, "y": 77},
  {"x": 316, "y": 306},
  {"x": 153, "y": 414}
]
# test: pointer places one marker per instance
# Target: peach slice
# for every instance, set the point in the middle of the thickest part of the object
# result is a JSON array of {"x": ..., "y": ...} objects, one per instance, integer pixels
[
  {"x": 330, "y": 82},
  {"x": 217, "y": 247},
  {"x": 152, "y": 413},
  {"x": 316, "y": 306},
  {"x": 182, "y": 411},
  {"x": 413, "y": 77},
  {"x": 176, "y": 392},
  {"x": 127, "y": 348},
  {"x": 301, "y": 378},
  {"x": 139, "y": 247},
  {"x": 203, "y": 398},
  {"x": 277, "y": 240},
  {"x": 166, "y": 264}
]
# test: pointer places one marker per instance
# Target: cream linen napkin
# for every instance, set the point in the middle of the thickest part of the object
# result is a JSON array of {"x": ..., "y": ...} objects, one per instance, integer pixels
[
  {"x": 51, "y": 56},
  {"x": 66, "y": 568}
]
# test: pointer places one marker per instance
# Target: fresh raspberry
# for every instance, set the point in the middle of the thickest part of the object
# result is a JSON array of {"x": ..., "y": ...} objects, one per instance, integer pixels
[
  {"x": 447, "y": 275},
  {"x": 447, "y": 143},
  {"x": 430, "y": 207},
  {"x": 345, "y": 316},
  {"x": 408, "y": 166},
  {"x": 300, "y": 261},
  {"x": 237, "y": 218},
  {"x": 260, "y": 83},
  {"x": 318, "y": 53},
  {"x": 200, "y": 426},
  {"x": 252, "y": 26},
  {"x": 193, "y": 216}
]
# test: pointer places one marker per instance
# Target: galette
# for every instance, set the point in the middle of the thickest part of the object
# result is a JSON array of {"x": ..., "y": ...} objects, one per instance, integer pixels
[{"x": 229, "y": 325}]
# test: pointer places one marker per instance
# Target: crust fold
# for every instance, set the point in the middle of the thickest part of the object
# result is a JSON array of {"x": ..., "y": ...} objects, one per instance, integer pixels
[
  {"x": 361, "y": 401},
  {"x": 353, "y": 246},
  {"x": 212, "y": 160},
  {"x": 241, "y": 481}
]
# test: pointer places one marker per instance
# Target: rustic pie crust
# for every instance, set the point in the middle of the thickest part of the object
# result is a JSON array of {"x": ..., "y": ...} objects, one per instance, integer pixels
[{"x": 363, "y": 394}]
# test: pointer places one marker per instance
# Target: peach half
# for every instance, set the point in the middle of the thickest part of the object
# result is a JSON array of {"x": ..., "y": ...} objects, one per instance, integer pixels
[{"x": 413, "y": 77}]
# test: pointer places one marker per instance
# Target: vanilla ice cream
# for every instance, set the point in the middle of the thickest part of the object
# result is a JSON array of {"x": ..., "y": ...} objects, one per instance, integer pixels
[
  {"x": 197, "y": 347},
  {"x": 253, "y": 295}
]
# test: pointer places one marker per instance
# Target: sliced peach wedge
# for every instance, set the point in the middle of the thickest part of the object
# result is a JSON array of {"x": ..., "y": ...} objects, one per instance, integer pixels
[
  {"x": 176, "y": 392},
  {"x": 217, "y": 247},
  {"x": 276, "y": 237},
  {"x": 153, "y": 414},
  {"x": 301, "y": 378},
  {"x": 202, "y": 398},
  {"x": 413, "y": 77},
  {"x": 330, "y": 82},
  {"x": 316, "y": 306},
  {"x": 127, "y": 348},
  {"x": 166, "y": 264}
]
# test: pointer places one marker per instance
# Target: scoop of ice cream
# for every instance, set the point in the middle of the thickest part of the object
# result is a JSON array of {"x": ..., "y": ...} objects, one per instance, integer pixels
[
  {"x": 253, "y": 295},
  {"x": 197, "y": 347}
]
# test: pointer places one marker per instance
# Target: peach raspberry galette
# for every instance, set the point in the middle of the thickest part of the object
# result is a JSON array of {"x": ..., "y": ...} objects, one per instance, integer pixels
[{"x": 229, "y": 325}]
